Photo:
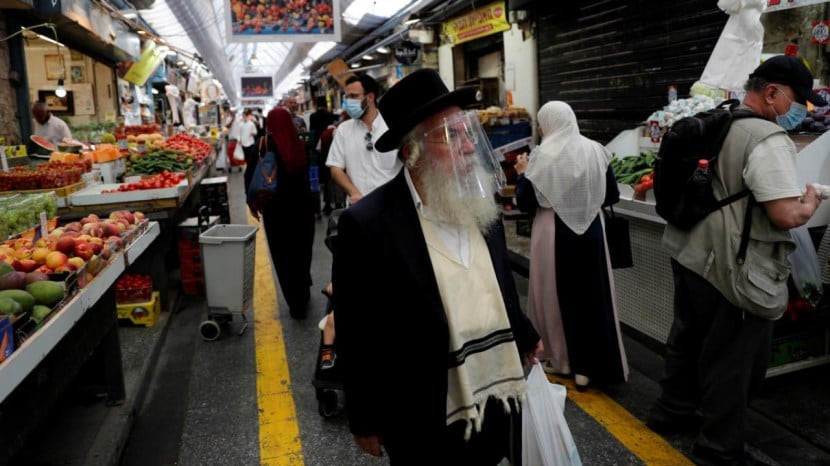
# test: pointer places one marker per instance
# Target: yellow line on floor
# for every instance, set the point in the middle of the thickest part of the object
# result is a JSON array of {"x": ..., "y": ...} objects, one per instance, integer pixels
[
  {"x": 279, "y": 435},
  {"x": 641, "y": 441}
]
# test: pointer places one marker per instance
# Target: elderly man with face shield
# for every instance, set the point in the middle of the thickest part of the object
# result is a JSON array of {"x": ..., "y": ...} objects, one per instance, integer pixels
[{"x": 425, "y": 292}]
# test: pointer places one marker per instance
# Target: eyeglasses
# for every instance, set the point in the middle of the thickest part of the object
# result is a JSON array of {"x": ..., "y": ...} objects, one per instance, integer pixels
[{"x": 369, "y": 146}]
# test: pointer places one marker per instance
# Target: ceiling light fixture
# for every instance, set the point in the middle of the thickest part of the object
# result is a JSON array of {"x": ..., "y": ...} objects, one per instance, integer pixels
[
  {"x": 368, "y": 57},
  {"x": 60, "y": 91},
  {"x": 383, "y": 50}
]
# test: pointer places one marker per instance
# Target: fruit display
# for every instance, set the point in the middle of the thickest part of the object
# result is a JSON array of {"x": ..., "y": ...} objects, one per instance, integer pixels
[
  {"x": 165, "y": 179},
  {"x": 43, "y": 143},
  {"x": 133, "y": 288},
  {"x": 20, "y": 212},
  {"x": 190, "y": 145},
  {"x": 44, "y": 176}
]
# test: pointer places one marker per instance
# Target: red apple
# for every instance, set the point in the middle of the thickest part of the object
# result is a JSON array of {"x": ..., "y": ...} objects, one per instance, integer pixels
[
  {"x": 91, "y": 218},
  {"x": 96, "y": 246},
  {"x": 106, "y": 251},
  {"x": 44, "y": 269},
  {"x": 27, "y": 265},
  {"x": 83, "y": 250},
  {"x": 66, "y": 267},
  {"x": 115, "y": 242},
  {"x": 73, "y": 226},
  {"x": 92, "y": 229},
  {"x": 76, "y": 261},
  {"x": 23, "y": 253},
  {"x": 55, "y": 259},
  {"x": 110, "y": 228},
  {"x": 66, "y": 245}
]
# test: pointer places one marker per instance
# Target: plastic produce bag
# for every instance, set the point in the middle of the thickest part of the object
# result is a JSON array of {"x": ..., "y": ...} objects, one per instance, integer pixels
[
  {"x": 546, "y": 438},
  {"x": 806, "y": 271}
]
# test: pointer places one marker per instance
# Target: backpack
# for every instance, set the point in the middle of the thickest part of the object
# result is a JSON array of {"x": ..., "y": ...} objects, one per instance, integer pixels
[{"x": 679, "y": 201}]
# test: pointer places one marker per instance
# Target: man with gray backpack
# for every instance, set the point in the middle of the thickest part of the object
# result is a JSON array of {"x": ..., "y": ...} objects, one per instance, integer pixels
[{"x": 731, "y": 266}]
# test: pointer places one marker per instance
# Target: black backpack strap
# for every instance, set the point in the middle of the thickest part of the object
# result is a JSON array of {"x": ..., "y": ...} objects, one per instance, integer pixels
[{"x": 741, "y": 257}]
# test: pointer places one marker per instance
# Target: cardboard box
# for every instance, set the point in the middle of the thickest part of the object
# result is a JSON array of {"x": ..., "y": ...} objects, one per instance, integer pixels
[{"x": 144, "y": 314}]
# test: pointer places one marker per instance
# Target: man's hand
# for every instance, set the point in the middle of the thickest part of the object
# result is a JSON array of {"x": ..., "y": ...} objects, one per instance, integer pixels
[
  {"x": 371, "y": 444},
  {"x": 353, "y": 198}
]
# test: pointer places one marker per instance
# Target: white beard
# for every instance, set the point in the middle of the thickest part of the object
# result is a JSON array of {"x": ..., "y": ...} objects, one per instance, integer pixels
[{"x": 440, "y": 192}]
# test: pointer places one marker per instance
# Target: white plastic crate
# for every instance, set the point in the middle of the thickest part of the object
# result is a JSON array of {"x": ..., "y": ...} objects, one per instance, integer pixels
[{"x": 228, "y": 254}]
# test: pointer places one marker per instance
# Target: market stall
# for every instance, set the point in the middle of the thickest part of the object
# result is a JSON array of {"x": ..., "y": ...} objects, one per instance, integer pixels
[
  {"x": 645, "y": 291},
  {"x": 79, "y": 331}
]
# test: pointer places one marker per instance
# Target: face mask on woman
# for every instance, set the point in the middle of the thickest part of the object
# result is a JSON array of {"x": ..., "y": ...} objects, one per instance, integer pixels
[{"x": 354, "y": 107}]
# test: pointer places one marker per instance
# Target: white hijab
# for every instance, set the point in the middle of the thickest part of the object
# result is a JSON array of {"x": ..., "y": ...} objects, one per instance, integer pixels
[{"x": 567, "y": 170}]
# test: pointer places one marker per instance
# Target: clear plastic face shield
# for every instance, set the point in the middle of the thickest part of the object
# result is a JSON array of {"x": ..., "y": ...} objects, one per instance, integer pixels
[{"x": 474, "y": 165}]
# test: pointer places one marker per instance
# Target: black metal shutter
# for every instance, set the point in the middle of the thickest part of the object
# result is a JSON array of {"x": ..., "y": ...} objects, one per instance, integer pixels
[{"x": 613, "y": 61}]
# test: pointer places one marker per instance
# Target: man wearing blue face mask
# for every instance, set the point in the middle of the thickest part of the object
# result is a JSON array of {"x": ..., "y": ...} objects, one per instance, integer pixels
[
  {"x": 718, "y": 348},
  {"x": 355, "y": 164}
]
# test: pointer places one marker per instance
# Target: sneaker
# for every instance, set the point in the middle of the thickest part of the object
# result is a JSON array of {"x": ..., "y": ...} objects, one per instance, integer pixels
[{"x": 327, "y": 358}]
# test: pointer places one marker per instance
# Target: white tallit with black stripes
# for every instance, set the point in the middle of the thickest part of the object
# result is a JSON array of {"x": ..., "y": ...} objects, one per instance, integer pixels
[{"x": 483, "y": 359}]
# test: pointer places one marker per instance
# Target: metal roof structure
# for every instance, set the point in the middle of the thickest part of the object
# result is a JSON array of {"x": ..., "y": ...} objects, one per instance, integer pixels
[{"x": 198, "y": 27}]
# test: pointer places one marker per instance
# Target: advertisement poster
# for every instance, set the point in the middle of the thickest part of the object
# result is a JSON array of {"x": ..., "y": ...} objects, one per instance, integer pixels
[
  {"x": 256, "y": 86},
  {"x": 283, "y": 21}
]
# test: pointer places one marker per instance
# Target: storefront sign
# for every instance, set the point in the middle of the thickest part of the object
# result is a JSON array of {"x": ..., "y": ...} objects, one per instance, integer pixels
[
  {"x": 406, "y": 52},
  {"x": 776, "y": 5},
  {"x": 821, "y": 32},
  {"x": 151, "y": 58},
  {"x": 479, "y": 23},
  {"x": 256, "y": 86}
]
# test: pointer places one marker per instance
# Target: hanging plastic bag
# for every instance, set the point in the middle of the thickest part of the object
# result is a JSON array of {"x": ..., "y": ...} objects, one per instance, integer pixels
[
  {"x": 238, "y": 153},
  {"x": 806, "y": 271},
  {"x": 546, "y": 437}
]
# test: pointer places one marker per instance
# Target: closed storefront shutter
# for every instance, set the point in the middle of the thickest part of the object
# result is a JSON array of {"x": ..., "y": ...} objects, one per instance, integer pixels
[{"x": 614, "y": 61}]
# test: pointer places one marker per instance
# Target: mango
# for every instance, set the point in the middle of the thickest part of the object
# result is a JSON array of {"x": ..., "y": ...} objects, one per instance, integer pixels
[
  {"x": 39, "y": 312},
  {"x": 13, "y": 280},
  {"x": 10, "y": 307},
  {"x": 45, "y": 292},
  {"x": 5, "y": 267},
  {"x": 26, "y": 300}
]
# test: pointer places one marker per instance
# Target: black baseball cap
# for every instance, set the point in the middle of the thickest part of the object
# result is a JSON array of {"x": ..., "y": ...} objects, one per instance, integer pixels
[{"x": 788, "y": 70}]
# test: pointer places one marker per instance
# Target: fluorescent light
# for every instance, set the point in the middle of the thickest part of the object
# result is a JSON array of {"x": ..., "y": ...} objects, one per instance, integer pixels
[
  {"x": 383, "y": 50},
  {"x": 355, "y": 65},
  {"x": 410, "y": 22},
  {"x": 51, "y": 41},
  {"x": 367, "y": 57},
  {"x": 141, "y": 32},
  {"x": 129, "y": 14},
  {"x": 60, "y": 91}
]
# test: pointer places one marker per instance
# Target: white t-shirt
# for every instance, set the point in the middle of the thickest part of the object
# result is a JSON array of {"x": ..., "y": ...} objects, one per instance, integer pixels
[
  {"x": 367, "y": 169},
  {"x": 247, "y": 133},
  {"x": 55, "y": 130}
]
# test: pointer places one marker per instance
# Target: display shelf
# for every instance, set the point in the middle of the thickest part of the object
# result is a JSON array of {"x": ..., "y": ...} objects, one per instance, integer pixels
[
  {"x": 137, "y": 247},
  {"x": 32, "y": 351}
]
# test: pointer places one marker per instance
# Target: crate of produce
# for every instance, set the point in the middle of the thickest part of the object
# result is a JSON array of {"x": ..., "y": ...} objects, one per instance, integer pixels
[
  {"x": 228, "y": 253},
  {"x": 145, "y": 313},
  {"x": 133, "y": 288}
]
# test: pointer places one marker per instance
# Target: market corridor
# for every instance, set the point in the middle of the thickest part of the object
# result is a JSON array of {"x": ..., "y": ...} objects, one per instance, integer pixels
[{"x": 248, "y": 399}]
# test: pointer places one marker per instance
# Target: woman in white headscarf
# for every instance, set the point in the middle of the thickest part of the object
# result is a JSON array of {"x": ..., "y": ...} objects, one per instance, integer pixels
[{"x": 566, "y": 180}]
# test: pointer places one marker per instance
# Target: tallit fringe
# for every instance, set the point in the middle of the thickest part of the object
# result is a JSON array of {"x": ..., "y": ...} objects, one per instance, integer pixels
[{"x": 475, "y": 415}]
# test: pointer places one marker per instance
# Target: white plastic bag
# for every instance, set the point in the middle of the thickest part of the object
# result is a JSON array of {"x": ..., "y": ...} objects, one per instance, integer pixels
[
  {"x": 806, "y": 270},
  {"x": 546, "y": 438},
  {"x": 238, "y": 153},
  {"x": 222, "y": 155}
]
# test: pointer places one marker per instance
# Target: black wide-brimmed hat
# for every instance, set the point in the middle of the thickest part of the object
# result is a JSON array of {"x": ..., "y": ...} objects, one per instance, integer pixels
[{"x": 413, "y": 99}]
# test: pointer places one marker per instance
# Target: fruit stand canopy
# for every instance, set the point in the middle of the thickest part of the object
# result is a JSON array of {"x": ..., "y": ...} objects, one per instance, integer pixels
[{"x": 199, "y": 26}]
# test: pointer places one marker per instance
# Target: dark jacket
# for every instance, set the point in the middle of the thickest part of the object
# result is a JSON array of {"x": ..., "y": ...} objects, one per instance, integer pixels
[{"x": 392, "y": 335}]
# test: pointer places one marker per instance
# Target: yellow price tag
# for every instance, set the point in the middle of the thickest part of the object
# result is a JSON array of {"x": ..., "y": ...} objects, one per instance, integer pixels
[{"x": 214, "y": 133}]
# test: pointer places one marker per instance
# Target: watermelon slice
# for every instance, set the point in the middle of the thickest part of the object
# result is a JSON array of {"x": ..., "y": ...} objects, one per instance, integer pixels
[{"x": 43, "y": 142}]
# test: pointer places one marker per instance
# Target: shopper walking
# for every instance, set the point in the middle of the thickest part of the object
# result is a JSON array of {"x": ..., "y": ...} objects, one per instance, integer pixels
[
  {"x": 424, "y": 292},
  {"x": 566, "y": 177},
  {"x": 287, "y": 217},
  {"x": 356, "y": 163},
  {"x": 718, "y": 348},
  {"x": 247, "y": 137},
  {"x": 321, "y": 119}
]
